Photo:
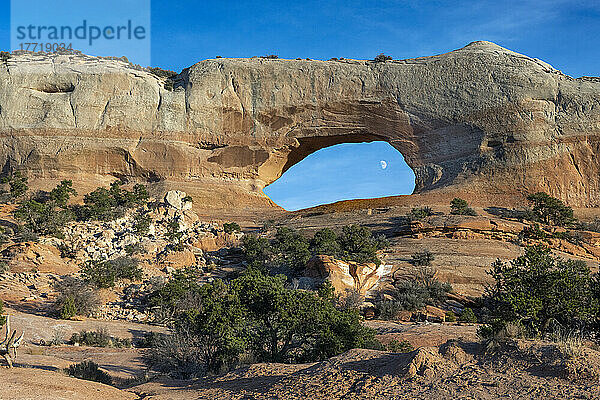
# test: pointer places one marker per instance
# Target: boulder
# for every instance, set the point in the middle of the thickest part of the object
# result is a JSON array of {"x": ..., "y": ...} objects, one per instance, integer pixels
[
  {"x": 175, "y": 199},
  {"x": 344, "y": 275}
]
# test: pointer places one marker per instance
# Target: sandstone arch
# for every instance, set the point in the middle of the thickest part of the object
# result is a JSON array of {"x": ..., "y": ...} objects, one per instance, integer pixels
[{"x": 481, "y": 119}]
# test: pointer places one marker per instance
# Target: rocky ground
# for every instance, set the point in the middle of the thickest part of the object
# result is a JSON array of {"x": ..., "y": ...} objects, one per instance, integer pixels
[{"x": 448, "y": 361}]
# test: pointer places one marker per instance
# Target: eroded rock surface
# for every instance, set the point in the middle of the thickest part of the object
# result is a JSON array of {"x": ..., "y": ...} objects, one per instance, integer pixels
[{"x": 481, "y": 119}]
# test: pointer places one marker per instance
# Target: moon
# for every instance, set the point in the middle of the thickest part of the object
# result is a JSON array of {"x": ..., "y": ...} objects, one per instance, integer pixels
[{"x": 383, "y": 164}]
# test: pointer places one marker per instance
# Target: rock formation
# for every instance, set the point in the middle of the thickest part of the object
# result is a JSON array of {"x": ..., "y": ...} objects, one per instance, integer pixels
[
  {"x": 346, "y": 277},
  {"x": 481, "y": 119}
]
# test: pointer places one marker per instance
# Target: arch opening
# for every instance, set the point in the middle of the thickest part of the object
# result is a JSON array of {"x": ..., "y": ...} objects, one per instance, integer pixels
[{"x": 344, "y": 171}]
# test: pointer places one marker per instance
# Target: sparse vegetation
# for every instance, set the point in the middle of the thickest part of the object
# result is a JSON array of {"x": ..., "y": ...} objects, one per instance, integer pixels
[
  {"x": 450, "y": 316},
  {"x": 17, "y": 185},
  {"x": 75, "y": 297},
  {"x": 460, "y": 206},
  {"x": 270, "y": 57},
  {"x": 174, "y": 235},
  {"x": 99, "y": 338},
  {"x": 104, "y": 274},
  {"x": 2, "y": 317},
  {"x": 396, "y": 346},
  {"x": 413, "y": 294},
  {"x": 89, "y": 371},
  {"x": 468, "y": 316},
  {"x": 419, "y": 213},
  {"x": 230, "y": 227},
  {"x": 382, "y": 58},
  {"x": 422, "y": 258}
]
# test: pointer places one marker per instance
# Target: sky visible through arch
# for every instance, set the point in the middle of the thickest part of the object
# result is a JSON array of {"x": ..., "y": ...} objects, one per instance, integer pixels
[
  {"x": 561, "y": 32},
  {"x": 342, "y": 172}
]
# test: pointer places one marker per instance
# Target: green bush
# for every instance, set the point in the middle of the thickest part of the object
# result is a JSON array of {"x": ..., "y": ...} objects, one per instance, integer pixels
[
  {"x": 17, "y": 184},
  {"x": 230, "y": 227},
  {"x": 99, "y": 338},
  {"x": 68, "y": 309},
  {"x": 413, "y": 294},
  {"x": 108, "y": 204},
  {"x": 399, "y": 347},
  {"x": 420, "y": 213},
  {"x": 141, "y": 224},
  {"x": 422, "y": 258},
  {"x": 89, "y": 371},
  {"x": 104, "y": 274},
  {"x": 450, "y": 316},
  {"x": 2, "y": 317},
  {"x": 459, "y": 206},
  {"x": 389, "y": 309},
  {"x": 382, "y": 58},
  {"x": 254, "y": 316},
  {"x": 550, "y": 210},
  {"x": 467, "y": 316},
  {"x": 75, "y": 297},
  {"x": 174, "y": 235},
  {"x": 539, "y": 290}
]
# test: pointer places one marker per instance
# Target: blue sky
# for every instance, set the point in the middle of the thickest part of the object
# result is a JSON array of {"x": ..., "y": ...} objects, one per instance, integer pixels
[{"x": 560, "y": 32}]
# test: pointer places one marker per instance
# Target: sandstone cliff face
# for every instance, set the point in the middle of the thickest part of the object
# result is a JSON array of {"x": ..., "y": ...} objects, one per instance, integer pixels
[{"x": 481, "y": 119}]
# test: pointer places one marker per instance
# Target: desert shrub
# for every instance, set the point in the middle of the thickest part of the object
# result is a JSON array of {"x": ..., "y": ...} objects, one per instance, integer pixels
[
  {"x": 450, "y": 316},
  {"x": 550, "y": 210},
  {"x": 162, "y": 73},
  {"x": 141, "y": 224},
  {"x": 89, "y": 371},
  {"x": 104, "y": 274},
  {"x": 538, "y": 290},
  {"x": 4, "y": 56},
  {"x": 75, "y": 297},
  {"x": 325, "y": 241},
  {"x": 467, "y": 316},
  {"x": 460, "y": 206},
  {"x": 99, "y": 338},
  {"x": 42, "y": 218},
  {"x": 291, "y": 248},
  {"x": 2, "y": 317},
  {"x": 382, "y": 58},
  {"x": 422, "y": 258},
  {"x": 358, "y": 244},
  {"x": 61, "y": 194},
  {"x": 350, "y": 300},
  {"x": 420, "y": 212},
  {"x": 254, "y": 315},
  {"x": 533, "y": 232},
  {"x": 132, "y": 249},
  {"x": 389, "y": 309},
  {"x": 108, "y": 204},
  {"x": 230, "y": 227},
  {"x": 17, "y": 185},
  {"x": 413, "y": 294},
  {"x": 174, "y": 235},
  {"x": 150, "y": 339},
  {"x": 171, "y": 299},
  {"x": 396, "y": 346},
  {"x": 410, "y": 294},
  {"x": 270, "y": 57}
]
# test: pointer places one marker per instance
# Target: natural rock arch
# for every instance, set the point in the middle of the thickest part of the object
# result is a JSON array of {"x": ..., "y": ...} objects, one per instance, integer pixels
[{"x": 481, "y": 119}]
